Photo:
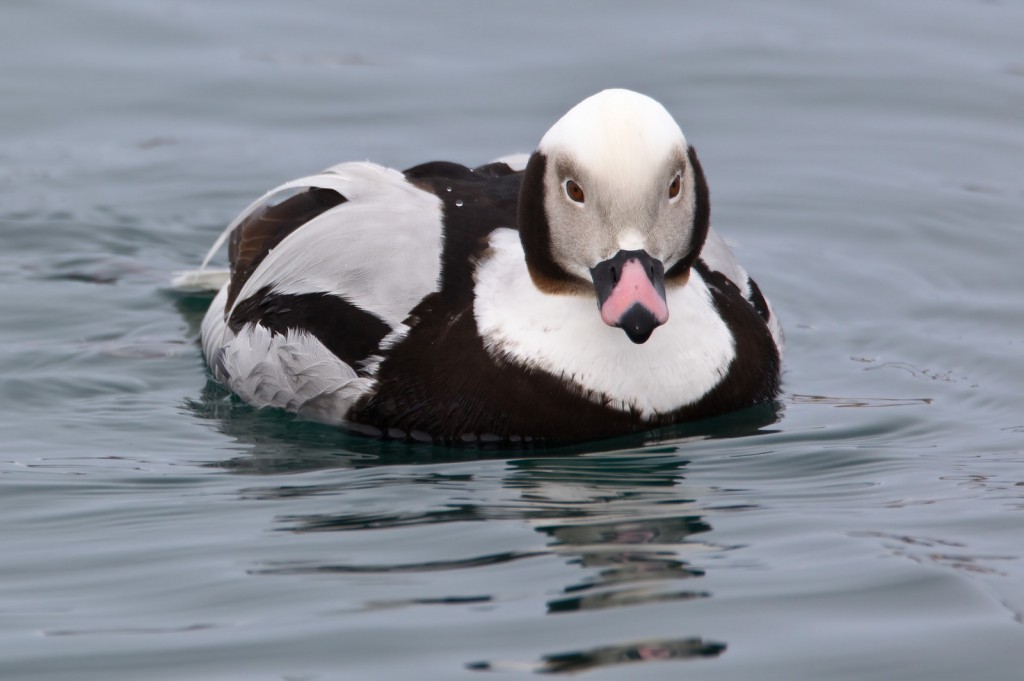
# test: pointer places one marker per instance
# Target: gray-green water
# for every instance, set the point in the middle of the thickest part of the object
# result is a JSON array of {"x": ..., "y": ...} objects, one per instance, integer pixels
[{"x": 868, "y": 161}]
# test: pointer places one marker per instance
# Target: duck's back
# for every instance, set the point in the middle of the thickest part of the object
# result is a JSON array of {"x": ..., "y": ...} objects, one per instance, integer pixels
[{"x": 326, "y": 268}]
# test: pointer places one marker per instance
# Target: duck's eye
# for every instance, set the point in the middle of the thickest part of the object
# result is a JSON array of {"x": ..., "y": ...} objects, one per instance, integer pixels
[
  {"x": 675, "y": 186},
  {"x": 574, "y": 191}
]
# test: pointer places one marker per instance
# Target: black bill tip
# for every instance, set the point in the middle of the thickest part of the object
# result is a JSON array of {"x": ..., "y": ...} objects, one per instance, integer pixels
[{"x": 638, "y": 323}]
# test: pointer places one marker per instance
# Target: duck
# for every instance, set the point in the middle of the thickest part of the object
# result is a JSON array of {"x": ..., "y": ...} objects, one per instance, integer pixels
[{"x": 574, "y": 294}]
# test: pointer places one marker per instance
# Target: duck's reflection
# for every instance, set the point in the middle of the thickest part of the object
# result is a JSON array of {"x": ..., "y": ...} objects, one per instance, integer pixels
[
  {"x": 632, "y": 524},
  {"x": 627, "y": 520},
  {"x": 604, "y": 656}
]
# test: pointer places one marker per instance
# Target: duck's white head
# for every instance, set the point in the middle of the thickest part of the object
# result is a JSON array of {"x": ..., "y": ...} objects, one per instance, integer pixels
[{"x": 614, "y": 204}]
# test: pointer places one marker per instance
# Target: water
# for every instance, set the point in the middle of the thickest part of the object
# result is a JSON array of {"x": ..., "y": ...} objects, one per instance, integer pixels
[{"x": 866, "y": 160}]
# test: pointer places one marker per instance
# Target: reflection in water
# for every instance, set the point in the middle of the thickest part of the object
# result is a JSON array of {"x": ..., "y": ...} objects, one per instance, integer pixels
[
  {"x": 943, "y": 553},
  {"x": 626, "y": 520},
  {"x": 859, "y": 401},
  {"x": 623, "y": 519},
  {"x": 297, "y": 568},
  {"x": 192, "y": 308},
  {"x": 629, "y": 577},
  {"x": 604, "y": 656}
]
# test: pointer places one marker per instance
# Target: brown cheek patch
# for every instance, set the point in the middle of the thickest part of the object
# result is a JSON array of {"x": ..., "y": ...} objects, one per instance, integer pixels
[
  {"x": 681, "y": 278},
  {"x": 559, "y": 286},
  {"x": 534, "y": 231}
]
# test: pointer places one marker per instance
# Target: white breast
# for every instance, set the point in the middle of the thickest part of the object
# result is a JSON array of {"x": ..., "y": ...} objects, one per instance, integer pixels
[{"x": 563, "y": 335}]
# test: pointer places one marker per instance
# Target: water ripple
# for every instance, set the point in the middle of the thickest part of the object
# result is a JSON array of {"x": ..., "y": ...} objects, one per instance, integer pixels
[{"x": 292, "y": 568}]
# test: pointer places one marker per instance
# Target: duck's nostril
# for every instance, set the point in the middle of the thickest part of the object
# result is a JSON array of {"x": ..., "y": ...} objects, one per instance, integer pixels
[{"x": 615, "y": 276}]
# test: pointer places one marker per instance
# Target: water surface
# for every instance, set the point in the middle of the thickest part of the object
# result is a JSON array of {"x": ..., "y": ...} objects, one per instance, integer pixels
[{"x": 864, "y": 159}]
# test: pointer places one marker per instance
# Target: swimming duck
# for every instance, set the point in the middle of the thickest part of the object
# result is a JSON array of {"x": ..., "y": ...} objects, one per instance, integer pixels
[{"x": 575, "y": 294}]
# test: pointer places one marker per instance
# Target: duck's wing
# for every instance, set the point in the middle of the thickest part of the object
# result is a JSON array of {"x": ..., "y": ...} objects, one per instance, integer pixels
[{"x": 323, "y": 269}]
